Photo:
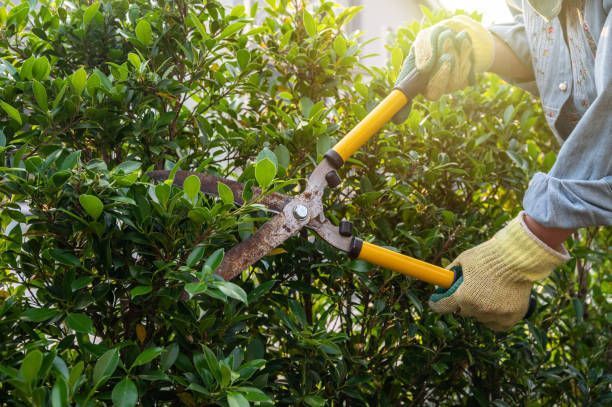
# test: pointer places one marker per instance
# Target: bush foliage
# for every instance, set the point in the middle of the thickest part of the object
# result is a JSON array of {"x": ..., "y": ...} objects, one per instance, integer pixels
[{"x": 107, "y": 290}]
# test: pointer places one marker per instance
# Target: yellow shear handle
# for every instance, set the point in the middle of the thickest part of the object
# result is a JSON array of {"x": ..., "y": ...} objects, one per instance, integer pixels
[
  {"x": 406, "y": 265},
  {"x": 370, "y": 125}
]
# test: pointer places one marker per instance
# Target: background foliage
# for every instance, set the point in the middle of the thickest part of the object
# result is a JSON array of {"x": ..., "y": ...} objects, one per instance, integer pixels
[{"x": 107, "y": 293}]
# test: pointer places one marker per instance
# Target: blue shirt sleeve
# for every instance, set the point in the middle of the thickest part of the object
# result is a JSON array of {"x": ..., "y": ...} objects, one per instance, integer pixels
[{"x": 577, "y": 192}]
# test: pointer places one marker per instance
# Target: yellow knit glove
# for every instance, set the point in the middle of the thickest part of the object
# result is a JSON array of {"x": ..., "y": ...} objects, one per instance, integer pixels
[
  {"x": 498, "y": 276},
  {"x": 452, "y": 51}
]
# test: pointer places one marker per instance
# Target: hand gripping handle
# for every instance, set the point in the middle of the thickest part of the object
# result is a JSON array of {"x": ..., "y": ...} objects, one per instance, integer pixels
[{"x": 399, "y": 97}]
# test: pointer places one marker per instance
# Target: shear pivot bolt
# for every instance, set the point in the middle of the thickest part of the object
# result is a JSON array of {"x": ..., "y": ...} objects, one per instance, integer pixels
[{"x": 300, "y": 212}]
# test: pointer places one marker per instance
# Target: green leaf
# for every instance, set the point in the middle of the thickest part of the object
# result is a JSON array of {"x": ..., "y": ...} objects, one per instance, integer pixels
[
  {"x": 92, "y": 205},
  {"x": 243, "y": 57},
  {"x": 140, "y": 290},
  {"x": 78, "y": 80},
  {"x": 253, "y": 394},
  {"x": 314, "y": 401},
  {"x": 225, "y": 193},
  {"x": 232, "y": 290},
  {"x": 39, "y": 314},
  {"x": 40, "y": 94},
  {"x": 79, "y": 323},
  {"x": 90, "y": 13},
  {"x": 214, "y": 260},
  {"x": 169, "y": 356},
  {"x": 310, "y": 25},
  {"x": 144, "y": 32},
  {"x": 147, "y": 356},
  {"x": 282, "y": 155},
  {"x": 231, "y": 29},
  {"x": 194, "y": 289},
  {"x": 125, "y": 393},
  {"x": 93, "y": 83},
  {"x": 397, "y": 57},
  {"x": 265, "y": 171},
  {"x": 30, "y": 366},
  {"x": 65, "y": 257},
  {"x": 191, "y": 186},
  {"x": 195, "y": 256},
  {"x": 106, "y": 366},
  {"x": 11, "y": 111},
  {"x": 59, "y": 393},
  {"x": 162, "y": 192},
  {"x": 235, "y": 399}
]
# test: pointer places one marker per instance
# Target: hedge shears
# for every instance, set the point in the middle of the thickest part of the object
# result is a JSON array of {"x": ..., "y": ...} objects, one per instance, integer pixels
[{"x": 306, "y": 209}]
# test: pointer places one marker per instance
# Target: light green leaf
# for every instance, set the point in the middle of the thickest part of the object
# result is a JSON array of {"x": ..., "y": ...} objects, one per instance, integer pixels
[
  {"x": 140, "y": 290},
  {"x": 191, "y": 186},
  {"x": 41, "y": 68},
  {"x": 146, "y": 356},
  {"x": 93, "y": 83},
  {"x": 31, "y": 365},
  {"x": 105, "y": 366},
  {"x": 125, "y": 393},
  {"x": 78, "y": 80},
  {"x": 265, "y": 171},
  {"x": 340, "y": 45},
  {"x": 92, "y": 205},
  {"x": 79, "y": 323},
  {"x": 225, "y": 193},
  {"x": 11, "y": 111},
  {"x": 235, "y": 399},
  {"x": 232, "y": 290},
  {"x": 25, "y": 72},
  {"x": 40, "y": 94},
  {"x": 310, "y": 25},
  {"x": 144, "y": 32},
  {"x": 90, "y": 13},
  {"x": 134, "y": 60}
]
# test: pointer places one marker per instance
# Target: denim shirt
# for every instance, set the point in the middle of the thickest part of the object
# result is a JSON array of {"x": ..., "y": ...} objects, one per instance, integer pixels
[{"x": 573, "y": 75}]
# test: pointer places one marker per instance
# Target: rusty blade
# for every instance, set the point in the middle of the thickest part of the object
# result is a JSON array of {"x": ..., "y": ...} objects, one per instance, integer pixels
[
  {"x": 272, "y": 234},
  {"x": 208, "y": 185}
]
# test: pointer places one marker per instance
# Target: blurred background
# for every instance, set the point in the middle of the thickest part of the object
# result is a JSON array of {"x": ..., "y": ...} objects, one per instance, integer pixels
[{"x": 381, "y": 16}]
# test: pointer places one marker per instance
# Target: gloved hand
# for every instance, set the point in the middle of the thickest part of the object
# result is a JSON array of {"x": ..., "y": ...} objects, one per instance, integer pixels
[
  {"x": 452, "y": 52},
  {"x": 498, "y": 276}
]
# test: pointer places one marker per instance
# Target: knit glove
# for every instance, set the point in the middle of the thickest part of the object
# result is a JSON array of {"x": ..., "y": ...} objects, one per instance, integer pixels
[
  {"x": 452, "y": 52},
  {"x": 498, "y": 276}
]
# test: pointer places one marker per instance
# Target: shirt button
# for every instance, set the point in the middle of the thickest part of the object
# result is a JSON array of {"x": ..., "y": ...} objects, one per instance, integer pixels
[{"x": 563, "y": 86}]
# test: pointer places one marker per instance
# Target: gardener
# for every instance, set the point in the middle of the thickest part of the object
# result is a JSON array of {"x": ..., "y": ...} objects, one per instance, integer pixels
[{"x": 566, "y": 47}]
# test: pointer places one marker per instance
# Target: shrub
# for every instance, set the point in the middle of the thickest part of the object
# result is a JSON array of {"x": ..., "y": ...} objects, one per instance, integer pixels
[{"x": 107, "y": 288}]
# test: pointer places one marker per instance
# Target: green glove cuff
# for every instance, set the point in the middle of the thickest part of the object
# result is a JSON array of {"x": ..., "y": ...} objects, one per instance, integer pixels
[{"x": 442, "y": 293}]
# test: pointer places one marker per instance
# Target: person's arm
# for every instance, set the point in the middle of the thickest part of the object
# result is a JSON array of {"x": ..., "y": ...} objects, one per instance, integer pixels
[
  {"x": 507, "y": 64},
  {"x": 553, "y": 237}
]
